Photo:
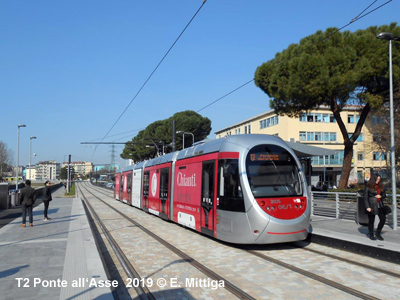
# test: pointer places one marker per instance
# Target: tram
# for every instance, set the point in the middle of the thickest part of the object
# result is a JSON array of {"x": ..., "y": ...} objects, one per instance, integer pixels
[{"x": 245, "y": 189}]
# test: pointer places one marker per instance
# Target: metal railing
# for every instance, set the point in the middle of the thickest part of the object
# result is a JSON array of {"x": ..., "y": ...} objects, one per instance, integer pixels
[{"x": 341, "y": 205}]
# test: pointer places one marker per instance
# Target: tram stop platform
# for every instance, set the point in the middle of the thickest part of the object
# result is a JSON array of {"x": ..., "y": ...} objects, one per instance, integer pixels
[
  {"x": 348, "y": 235},
  {"x": 55, "y": 259}
]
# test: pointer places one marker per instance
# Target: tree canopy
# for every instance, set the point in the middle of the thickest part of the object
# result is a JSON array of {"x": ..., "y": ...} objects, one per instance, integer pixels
[
  {"x": 336, "y": 69},
  {"x": 159, "y": 133},
  {"x": 5, "y": 158}
]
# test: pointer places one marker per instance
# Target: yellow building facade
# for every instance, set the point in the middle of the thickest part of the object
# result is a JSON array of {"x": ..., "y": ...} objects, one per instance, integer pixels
[{"x": 319, "y": 128}]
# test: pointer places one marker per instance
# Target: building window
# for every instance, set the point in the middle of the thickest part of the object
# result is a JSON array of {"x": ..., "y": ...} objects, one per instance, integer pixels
[
  {"x": 350, "y": 119},
  {"x": 332, "y": 137},
  {"x": 317, "y": 117},
  {"x": 377, "y": 137},
  {"x": 269, "y": 122},
  {"x": 336, "y": 159},
  {"x": 379, "y": 156},
  {"x": 247, "y": 129},
  {"x": 326, "y": 136},
  {"x": 317, "y": 136},
  {"x": 360, "y": 137},
  {"x": 360, "y": 156}
]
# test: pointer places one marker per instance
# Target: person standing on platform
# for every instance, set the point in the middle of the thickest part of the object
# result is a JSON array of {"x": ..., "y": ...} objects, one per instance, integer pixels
[
  {"x": 46, "y": 199},
  {"x": 373, "y": 201},
  {"x": 27, "y": 198}
]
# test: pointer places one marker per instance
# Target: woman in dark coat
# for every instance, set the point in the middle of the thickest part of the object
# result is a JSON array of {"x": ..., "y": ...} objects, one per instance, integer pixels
[
  {"x": 373, "y": 201},
  {"x": 46, "y": 199}
]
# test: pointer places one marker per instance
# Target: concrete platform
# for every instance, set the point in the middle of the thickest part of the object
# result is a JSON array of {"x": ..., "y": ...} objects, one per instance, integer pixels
[
  {"x": 56, "y": 259},
  {"x": 349, "y": 235}
]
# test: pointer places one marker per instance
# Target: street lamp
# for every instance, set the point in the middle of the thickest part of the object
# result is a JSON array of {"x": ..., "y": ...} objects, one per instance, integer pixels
[
  {"x": 183, "y": 137},
  {"x": 390, "y": 37},
  {"x": 17, "y": 171},
  {"x": 30, "y": 154}
]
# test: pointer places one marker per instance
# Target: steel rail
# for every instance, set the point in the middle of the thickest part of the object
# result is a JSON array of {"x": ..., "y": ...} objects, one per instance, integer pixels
[
  {"x": 228, "y": 285},
  {"x": 143, "y": 292}
]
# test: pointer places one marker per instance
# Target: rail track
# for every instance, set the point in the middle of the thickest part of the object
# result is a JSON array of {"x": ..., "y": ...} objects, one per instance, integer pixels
[{"x": 262, "y": 254}]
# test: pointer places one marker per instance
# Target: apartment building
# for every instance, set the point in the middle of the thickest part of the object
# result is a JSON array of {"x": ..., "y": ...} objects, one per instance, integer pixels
[
  {"x": 47, "y": 170},
  {"x": 319, "y": 128},
  {"x": 81, "y": 168}
]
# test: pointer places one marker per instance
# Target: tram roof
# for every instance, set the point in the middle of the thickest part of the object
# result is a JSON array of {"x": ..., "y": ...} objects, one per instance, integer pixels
[{"x": 209, "y": 146}]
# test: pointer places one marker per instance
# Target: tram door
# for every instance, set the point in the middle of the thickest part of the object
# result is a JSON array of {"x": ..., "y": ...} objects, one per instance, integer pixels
[
  {"x": 164, "y": 192},
  {"x": 207, "y": 198},
  {"x": 146, "y": 184},
  {"x": 129, "y": 189}
]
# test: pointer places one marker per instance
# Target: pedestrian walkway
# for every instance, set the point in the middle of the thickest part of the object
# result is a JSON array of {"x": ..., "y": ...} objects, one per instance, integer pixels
[
  {"x": 56, "y": 259},
  {"x": 351, "y": 236}
]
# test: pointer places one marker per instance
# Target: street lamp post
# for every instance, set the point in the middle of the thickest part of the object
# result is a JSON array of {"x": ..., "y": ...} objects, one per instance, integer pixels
[
  {"x": 17, "y": 170},
  {"x": 390, "y": 37},
  {"x": 30, "y": 154}
]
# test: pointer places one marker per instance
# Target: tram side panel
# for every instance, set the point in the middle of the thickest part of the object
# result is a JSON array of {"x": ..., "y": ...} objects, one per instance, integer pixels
[
  {"x": 137, "y": 178},
  {"x": 156, "y": 181},
  {"x": 187, "y": 183},
  {"x": 126, "y": 187},
  {"x": 117, "y": 186},
  {"x": 194, "y": 193}
]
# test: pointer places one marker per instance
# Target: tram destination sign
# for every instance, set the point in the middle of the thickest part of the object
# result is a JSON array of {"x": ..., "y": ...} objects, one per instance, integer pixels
[{"x": 268, "y": 157}]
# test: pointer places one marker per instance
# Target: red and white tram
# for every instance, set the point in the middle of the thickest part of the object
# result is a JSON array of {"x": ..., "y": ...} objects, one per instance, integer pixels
[{"x": 247, "y": 189}]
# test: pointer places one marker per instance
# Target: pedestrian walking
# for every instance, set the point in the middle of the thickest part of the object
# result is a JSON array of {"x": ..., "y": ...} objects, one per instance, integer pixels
[
  {"x": 27, "y": 198},
  {"x": 373, "y": 201},
  {"x": 46, "y": 199}
]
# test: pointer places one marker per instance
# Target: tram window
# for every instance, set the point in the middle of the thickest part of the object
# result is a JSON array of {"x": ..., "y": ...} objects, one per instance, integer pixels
[
  {"x": 146, "y": 182},
  {"x": 164, "y": 180},
  {"x": 229, "y": 188},
  {"x": 129, "y": 182},
  {"x": 272, "y": 171},
  {"x": 208, "y": 182}
]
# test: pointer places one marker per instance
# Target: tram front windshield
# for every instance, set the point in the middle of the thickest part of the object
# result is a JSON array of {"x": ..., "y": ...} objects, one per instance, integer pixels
[{"x": 272, "y": 172}]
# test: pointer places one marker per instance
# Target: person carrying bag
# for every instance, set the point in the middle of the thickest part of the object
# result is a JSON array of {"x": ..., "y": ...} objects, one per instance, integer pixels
[{"x": 373, "y": 201}]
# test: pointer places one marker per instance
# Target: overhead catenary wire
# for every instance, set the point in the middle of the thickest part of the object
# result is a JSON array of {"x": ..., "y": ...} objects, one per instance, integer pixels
[
  {"x": 358, "y": 17},
  {"x": 149, "y": 77}
]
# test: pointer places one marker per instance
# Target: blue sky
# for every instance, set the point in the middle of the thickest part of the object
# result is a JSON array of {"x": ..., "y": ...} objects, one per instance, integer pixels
[{"x": 70, "y": 68}]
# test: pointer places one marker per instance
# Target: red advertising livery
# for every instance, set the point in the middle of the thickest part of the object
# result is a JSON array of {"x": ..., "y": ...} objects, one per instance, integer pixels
[{"x": 247, "y": 189}]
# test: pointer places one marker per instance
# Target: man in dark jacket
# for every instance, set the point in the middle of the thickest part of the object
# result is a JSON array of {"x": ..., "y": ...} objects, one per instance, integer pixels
[
  {"x": 27, "y": 197},
  {"x": 46, "y": 199}
]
